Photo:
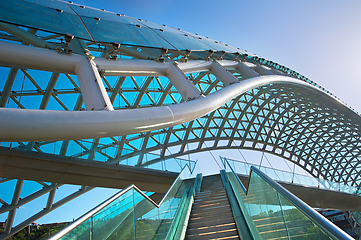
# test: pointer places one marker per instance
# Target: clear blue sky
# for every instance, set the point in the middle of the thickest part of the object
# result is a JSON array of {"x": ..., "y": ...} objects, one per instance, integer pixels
[{"x": 319, "y": 39}]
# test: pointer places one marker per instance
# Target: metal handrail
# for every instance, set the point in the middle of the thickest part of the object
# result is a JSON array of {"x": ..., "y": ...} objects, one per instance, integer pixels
[
  {"x": 239, "y": 181},
  {"x": 322, "y": 222},
  {"x": 320, "y": 181},
  {"x": 96, "y": 209},
  {"x": 174, "y": 182}
]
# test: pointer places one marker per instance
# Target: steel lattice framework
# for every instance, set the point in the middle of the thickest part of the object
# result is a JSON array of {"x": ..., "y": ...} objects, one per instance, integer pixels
[{"x": 293, "y": 118}]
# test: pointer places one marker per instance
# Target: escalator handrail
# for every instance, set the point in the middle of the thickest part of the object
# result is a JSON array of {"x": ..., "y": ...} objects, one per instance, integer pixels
[
  {"x": 225, "y": 161},
  {"x": 171, "y": 187},
  {"x": 312, "y": 214}
]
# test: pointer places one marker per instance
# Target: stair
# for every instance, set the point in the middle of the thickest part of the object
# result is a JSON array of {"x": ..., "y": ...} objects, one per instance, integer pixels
[{"x": 211, "y": 215}]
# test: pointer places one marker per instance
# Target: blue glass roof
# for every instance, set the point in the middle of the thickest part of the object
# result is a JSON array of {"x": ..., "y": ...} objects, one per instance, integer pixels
[{"x": 101, "y": 26}]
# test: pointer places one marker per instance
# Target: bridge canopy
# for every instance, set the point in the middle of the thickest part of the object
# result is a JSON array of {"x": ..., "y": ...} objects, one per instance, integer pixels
[{"x": 89, "y": 84}]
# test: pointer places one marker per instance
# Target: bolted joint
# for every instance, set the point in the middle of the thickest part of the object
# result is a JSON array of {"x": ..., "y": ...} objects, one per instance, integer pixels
[
  {"x": 222, "y": 54},
  {"x": 88, "y": 55},
  {"x": 186, "y": 55},
  {"x": 236, "y": 56},
  {"x": 209, "y": 54},
  {"x": 64, "y": 47},
  {"x": 114, "y": 55},
  {"x": 163, "y": 51},
  {"x": 244, "y": 57}
]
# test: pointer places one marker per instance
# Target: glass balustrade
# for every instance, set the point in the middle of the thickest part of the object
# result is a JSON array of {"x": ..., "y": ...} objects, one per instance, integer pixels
[
  {"x": 243, "y": 168},
  {"x": 131, "y": 214},
  {"x": 276, "y": 213}
]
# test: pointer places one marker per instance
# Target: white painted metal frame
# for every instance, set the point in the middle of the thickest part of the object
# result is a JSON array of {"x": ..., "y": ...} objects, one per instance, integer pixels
[
  {"x": 279, "y": 114},
  {"x": 34, "y": 125}
]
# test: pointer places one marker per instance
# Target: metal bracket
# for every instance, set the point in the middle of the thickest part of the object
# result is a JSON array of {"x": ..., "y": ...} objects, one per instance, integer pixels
[
  {"x": 222, "y": 54},
  {"x": 113, "y": 54},
  {"x": 209, "y": 54},
  {"x": 236, "y": 56},
  {"x": 186, "y": 55},
  {"x": 64, "y": 47},
  {"x": 163, "y": 52}
]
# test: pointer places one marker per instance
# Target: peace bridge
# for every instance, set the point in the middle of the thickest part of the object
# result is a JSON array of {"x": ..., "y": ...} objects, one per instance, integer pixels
[{"x": 84, "y": 105}]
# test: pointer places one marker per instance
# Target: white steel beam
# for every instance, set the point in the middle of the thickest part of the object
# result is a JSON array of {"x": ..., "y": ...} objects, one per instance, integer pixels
[
  {"x": 263, "y": 71},
  {"x": 246, "y": 71},
  {"x": 49, "y": 90},
  {"x": 180, "y": 81},
  {"x": 11, "y": 215},
  {"x": 37, "y": 125},
  {"x": 92, "y": 88},
  {"x": 222, "y": 74},
  {"x": 22, "y": 56},
  {"x": 25, "y": 36}
]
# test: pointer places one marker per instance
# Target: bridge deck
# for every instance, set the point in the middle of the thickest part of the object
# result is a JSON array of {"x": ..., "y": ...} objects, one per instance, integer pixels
[{"x": 54, "y": 168}]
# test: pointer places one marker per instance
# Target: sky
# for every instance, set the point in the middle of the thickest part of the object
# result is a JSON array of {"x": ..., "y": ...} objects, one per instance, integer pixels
[{"x": 319, "y": 39}]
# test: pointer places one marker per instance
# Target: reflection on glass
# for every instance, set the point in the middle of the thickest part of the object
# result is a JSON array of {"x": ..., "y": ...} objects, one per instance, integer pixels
[
  {"x": 284, "y": 176},
  {"x": 272, "y": 214},
  {"x": 298, "y": 225},
  {"x": 132, "y": 215},
  {"x": 102, "y": 26}
]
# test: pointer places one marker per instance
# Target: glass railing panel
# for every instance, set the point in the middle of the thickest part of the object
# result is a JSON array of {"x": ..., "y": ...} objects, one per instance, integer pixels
[
  {"x": 117, "y": 215},
  {"x": 264, "y": 208},
  {"x": 146, "y": 216},
  {"x": 287, "y": 176},
  {"x": 297, "y": 224},
  {"x": 172, "y": 164},
  {"x": 107, "y": 219},
  {"x": 243, "y": 168},
  {"x": 131, "y": 214},
  {"x": 276, "y": 213},
  {"x": 168, "y": 209}
]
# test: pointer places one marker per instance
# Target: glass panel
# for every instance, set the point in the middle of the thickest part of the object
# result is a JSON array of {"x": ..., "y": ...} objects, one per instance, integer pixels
[
  {"x": 102, "y": 26},
  {"x": 133, "y": 216},
  {"x": 264, "y": 208},
  {"x": 116, "y": 219},
  {"x": 108, "y": 31},
  {"x": 56, "y": 21},
  {"x": 284, "y": 176},
  {"x": 273, "y": 215},
  {"x": 131, "y": 158},
  {"x": 107, "y": 221},
  {"x": 146, "y": 218},
  {"x": 298, "y": 225}
]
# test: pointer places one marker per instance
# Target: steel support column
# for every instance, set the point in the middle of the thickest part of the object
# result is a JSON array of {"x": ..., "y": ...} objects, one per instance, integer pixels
[
  {"x": 222, "y": 74},
  {"x": 92, "y": 88},
  {"x": 8, "y": 86},
  {"x": 11, "y": 215}
]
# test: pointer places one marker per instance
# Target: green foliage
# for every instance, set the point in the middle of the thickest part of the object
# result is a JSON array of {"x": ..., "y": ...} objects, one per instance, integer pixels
[
  {"x": 143, "y": 230},
  {"x": 36, "y": 233},
  {"x": 314, "y": 233}
]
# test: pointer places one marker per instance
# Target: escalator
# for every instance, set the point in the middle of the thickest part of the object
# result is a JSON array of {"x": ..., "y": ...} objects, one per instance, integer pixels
[
  {"x": 212, "y": 207},
  {"x": 211, "y": 216},
  {"x": 132, "y": 214},
  {"x": 272, "y": 212}
]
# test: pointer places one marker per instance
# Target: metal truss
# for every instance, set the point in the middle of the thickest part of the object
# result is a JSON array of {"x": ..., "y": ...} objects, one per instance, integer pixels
[
  {"x": 44, "y": 188},
  {"x": 302, "y": 123}
]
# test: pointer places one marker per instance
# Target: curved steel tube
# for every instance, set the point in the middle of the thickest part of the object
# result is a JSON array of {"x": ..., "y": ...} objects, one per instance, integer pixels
[
  {"x": 39, "y": 125},
  {"x": 45, "y": 125}
]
